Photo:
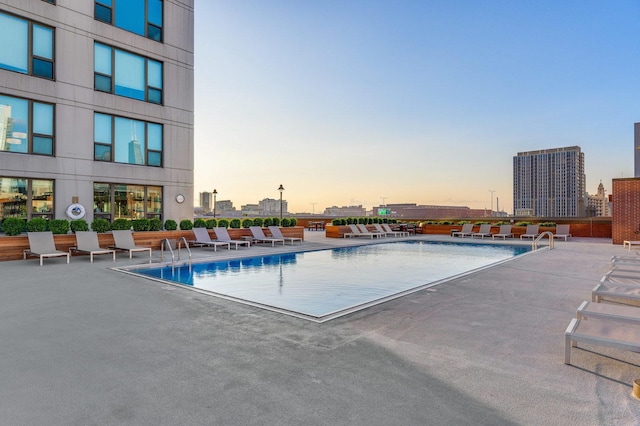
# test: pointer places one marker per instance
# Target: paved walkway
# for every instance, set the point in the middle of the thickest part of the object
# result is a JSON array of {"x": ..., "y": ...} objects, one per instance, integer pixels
[{"x": 85, "y": 345}]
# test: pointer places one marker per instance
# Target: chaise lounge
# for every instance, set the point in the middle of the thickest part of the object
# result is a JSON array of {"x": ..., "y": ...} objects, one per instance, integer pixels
[
  {"x": 202, "y": 238},
  {"x": 484, "y": 231},
  {"x": 531, "y": 232},
  {"x": 276, "y": 233},
  {"x": 222, "y": 235},
  {"x": 504, "y": 232},
  {"x": 604, "y": 332},
  {"x": 41, "y": 245},
  {"x": 467, "y": 230},
  {"x": 123, "y": 240},
  {"x": 258, "y": 235},
  {"x": 87, "y": 242}
]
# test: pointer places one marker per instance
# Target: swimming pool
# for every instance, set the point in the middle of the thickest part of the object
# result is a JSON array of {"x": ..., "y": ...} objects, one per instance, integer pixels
[{"x": 324, "y": 284}]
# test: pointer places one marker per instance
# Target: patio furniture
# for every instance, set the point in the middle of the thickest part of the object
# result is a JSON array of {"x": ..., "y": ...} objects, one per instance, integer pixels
[
  {"x": 87, "y": 242},
  {"x": 275, "y": 232},
  {"x": 202, "y": 238},
  {"x": 562, "y": 231},
  {"x": 355, "y": 232},
  {"x": 258, "y": 235},
  {"x": 604, "y": 332},
  {"x": 41, "y": 244},
  {"x": 605, "y": 310},
  {"x": 363, "y": 228},
  {"x": 123, "y": 240},
  {"x": 484, "y": 231},
  {"x": 531, "y": 232},
  {"x": 387, "y": 229},
  {"x": 223, "y": 235},
  {"x": 504, "y": 232},
  {"x": 467, "y": 230}
]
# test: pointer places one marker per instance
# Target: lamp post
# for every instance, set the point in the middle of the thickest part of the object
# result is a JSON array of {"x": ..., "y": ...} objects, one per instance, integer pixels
[
  {"x": 214, "y": 202},
  {"x": 313, "y": 208},
  {"x": 281, "y": 188},
  {"x": 491, "y": 211}
]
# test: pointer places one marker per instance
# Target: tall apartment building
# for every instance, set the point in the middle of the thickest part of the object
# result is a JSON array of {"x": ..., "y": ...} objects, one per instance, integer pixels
[
  {"x": 96, "y": 108},
  {"x": 205, "y": 201},
  {"x": 550, "y": 182}
]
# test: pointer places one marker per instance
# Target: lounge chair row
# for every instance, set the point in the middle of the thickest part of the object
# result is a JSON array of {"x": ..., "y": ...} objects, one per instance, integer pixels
[
  {"x": 382, "y": 230},
  {"x": 532, "y": 231},
  {"x": 42, "y": 245},
  {"x": 611, "y": 325}
]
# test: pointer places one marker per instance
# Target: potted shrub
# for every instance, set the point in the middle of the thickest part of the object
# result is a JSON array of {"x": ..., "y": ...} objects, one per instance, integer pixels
[
  {"x": 199, "y": 223},
  {"x": 78, "y": 225},
  {"x": 258, "y": 222},
  {"x": 170, "y": 225},
  {"x": 155, "y": 224},
  {"x": 223, "y": 223},
  {"x": 139, "y": 225},
  {"x": 211, "y": 223},
  {"x": 13, "y": 226},
  {"x": 37, "y": 224},
  {"x": 121, "y": 224},
  {"x": 246, "y": 223},
  {"x": 186, "y": 225},
  {"x": 235, "y": 223},
  {"x": 285, "y": 222},
  {"x": 100, "y": 225},
  {"x": 59, "y": 226}
]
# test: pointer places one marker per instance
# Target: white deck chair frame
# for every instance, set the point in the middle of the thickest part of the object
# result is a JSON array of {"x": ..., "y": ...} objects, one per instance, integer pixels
[{"x": 41, "y": 244}]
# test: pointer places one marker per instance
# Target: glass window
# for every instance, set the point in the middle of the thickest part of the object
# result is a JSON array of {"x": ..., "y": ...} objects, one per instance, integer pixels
[
  {"x": 115, "y": 201},
  {"x": 26, "y": 198},
  {"x": 142, "y": 17},
  {"x": 30, "y": 46},
  {"x": 26, "y": 126},
  {"x": 128, "y": 141},
  {"x": 133, "y": 76}
]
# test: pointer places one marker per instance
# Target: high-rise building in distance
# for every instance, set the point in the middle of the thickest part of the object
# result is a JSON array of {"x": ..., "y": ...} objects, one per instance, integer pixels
[{"x": 549, "y": 183}]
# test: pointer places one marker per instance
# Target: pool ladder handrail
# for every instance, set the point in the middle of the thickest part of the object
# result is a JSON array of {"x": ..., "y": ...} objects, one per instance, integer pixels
[
  {"x": 166, "y": 242},
  {"x": 539, "y": 238}
]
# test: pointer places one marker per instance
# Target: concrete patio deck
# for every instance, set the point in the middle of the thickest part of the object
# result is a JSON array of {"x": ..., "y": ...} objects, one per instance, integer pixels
[{"x": 83, "y": 344}]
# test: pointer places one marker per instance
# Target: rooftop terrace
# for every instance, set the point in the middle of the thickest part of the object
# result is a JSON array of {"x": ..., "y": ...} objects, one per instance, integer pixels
[{"x": 83, "y": 344}]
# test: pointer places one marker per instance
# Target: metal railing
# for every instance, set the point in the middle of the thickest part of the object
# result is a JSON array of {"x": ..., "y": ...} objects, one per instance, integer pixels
[
  {"x": 539, "y": 238},
  {"x": 167, "y": 243}
]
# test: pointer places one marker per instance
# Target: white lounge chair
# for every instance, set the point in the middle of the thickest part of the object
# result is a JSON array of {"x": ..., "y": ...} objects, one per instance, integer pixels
[
  {"x": 223, "y": 235},
  {"x": 603, "y": 332},
  {"x": 617, "y": 291},
  {"x": 123, "y": 240},
  {"x": 504, "y": 232},
  {"x": 467, "y": 230},
  {"x": 258, "y": 235},
  {"x": 531, "y": 232},
  {"x": 387, "y": 229},
  {"x": 202, "y": 238},
  {"x": 605, "y": 310},
  {"x": 363, "y": 228},
  {"x": 484, "y": 231},
  {"x": 87, "y": 242},
  {"x": 41, "y": 244},
  {"x": 390, "y": 233},
  {"x": 562, "y": 231},
  {"x": 355, "y": 232},
  {"x": 275, "y": 232}
]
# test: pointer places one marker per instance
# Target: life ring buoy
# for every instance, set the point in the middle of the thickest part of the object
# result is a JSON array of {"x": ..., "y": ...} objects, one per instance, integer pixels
[{"x": 76, "y": 211}]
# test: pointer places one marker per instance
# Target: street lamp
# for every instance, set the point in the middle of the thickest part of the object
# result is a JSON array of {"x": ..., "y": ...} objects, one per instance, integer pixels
[
  {"x": 491, "y": 211},
  {"x": 214, "y": 202},
  {"x": 281, "y": 188}
]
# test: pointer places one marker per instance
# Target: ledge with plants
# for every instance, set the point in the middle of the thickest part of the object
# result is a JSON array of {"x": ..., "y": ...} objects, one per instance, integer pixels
[{"x": 146, "y": 232}]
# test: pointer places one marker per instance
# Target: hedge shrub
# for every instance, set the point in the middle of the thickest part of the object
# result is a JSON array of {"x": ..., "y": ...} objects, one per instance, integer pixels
[
  {"x": 37, "y": 224},
  {"x": 258, "y": 222},
  {"x": 285, "y": 223},
  {"x": 170, "y": 225},
  {"x": 235, "y": 223},
  {"x": 78, "y": 225},
  {"x": 100, "y": 225},
  {"x": 141, "y": 224},
  {"x": 246, "y": 223},
  {"x": 121, "y": 224},
  {"x": 211, "y": 223},
  {"x": 186, "y": 225},
  {"x": 223, "y": 223},
  {"x": 13, "y": 226},
  {"x": 59, "y": 226},
  {"x": 155, "y": 224},
  {"x": 199, "y": 223}
]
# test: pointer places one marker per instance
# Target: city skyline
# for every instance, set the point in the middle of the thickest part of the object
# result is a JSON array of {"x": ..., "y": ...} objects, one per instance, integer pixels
[{"x": 421, "y": 102}]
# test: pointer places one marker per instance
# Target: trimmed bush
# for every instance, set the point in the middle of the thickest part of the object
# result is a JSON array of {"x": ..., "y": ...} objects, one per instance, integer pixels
[
  {"x": 246, "y": 223},
  {"x": 199, "y": 223},
  {"x": 293, "y": 221},
  {"x": 78, "y": 225},
  {"x": 121, "y": 224},
  {"x": 522, "y": 223},
  {"x": 140, "y": 225},
  {"x": 223, "y": 223},
  {"x": 275, "y": 221},
  {"x": 211, "y": 223},
  {"x": 37, "y": 224},
  {"x": 13, "y": 226},
  {"x": 267, "y": 222},
  {"x": 155, "y": 224},
  {"x": 548, "y": 224},
  {"x": 59, "y": 226},
  {"x": 186, "y": 225},
  {"x": 235, "y": 223},
  {"x": 285, "y": 223},
  {"x": 100, "y": 225},
  {"x": 258, "y": 222},
  {"x": 170, "y": 225}
]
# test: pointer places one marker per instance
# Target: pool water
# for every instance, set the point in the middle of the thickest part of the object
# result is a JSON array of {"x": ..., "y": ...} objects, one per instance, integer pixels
[{"x": 324, "y": 284}]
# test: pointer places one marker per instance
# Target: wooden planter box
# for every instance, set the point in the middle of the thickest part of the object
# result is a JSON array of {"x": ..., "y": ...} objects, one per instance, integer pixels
[{"x": 11, "y": 248}]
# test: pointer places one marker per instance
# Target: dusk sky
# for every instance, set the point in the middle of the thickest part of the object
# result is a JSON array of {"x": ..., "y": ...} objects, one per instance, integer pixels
[{"x": 348, "y": 102}]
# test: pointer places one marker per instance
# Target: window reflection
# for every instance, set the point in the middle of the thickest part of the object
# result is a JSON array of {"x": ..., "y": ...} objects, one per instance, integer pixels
[
  {"x": 121, "y": 201},
  {"x": 26, "y": 198},
  {"x": 15, "y": 126}
]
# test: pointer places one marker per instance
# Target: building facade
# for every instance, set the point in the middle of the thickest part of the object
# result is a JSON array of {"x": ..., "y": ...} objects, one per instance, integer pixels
[
  {"x": 598, "y": 204},
  {"x": 550, "y": 182},
  {"x": 205, "y": 201},
  {"x": 96, "y": 109}
]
